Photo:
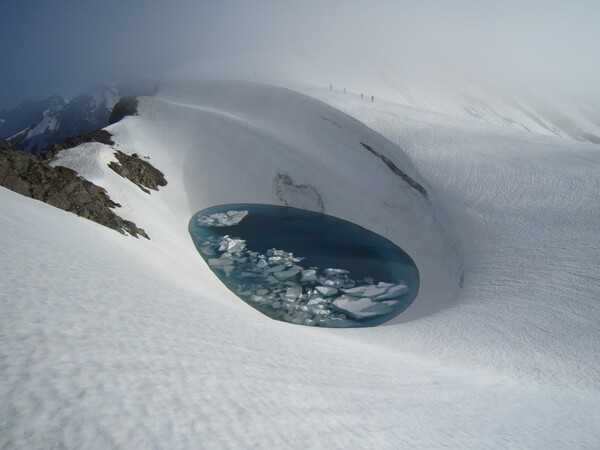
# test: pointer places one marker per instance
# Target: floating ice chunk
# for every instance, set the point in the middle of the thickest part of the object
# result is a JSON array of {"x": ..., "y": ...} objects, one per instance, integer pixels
[
  {"x": 360, "y": 308},
  {"x": 207, "y": 249},
  {"x": 247, "y": 275},
  {"x": 330, "y": 271},
  {"x": 232, "y": 245},
  {"x": 226, "y": 269},
  {"x": 287, "y": 274},
  {"x": 293, "y": 292},
  {"x": 277, "y": 268},
  {"x": 336, "y": 283},
  {"x": 309, "y": 275},
  {"x": 222, "y": 219},
  {"x": 369, "y": 290},
  {"x": 316, "y": 301},
  {"x": 218, "y": 262},
  {"x": 393, "y": 292},
  {"x": 320, "y": 312},
  {"x": 327, "y": 291}
]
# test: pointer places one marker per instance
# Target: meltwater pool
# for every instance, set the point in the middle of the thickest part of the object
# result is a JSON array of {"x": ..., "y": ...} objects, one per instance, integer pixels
[{"x": 305, "y": 267}]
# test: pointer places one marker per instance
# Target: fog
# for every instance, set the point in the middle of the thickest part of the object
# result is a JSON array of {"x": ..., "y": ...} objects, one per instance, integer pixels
[{"x": 67, "y": 46}]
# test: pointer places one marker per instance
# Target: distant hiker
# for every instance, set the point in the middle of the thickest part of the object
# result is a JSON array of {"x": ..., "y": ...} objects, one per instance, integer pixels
[
  {"x": 361, "y": 95},
  {"x": 372, "y": 98},
  {"x": 344, "y": 90},
  {"x": 330, "y": 87}
]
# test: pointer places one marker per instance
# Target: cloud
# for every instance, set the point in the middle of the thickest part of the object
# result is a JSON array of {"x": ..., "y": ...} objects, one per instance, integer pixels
[{"x": 68, "y": 45}]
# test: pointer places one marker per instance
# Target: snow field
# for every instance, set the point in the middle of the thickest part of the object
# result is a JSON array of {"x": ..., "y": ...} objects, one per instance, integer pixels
[{"x": 108, "y": 341}]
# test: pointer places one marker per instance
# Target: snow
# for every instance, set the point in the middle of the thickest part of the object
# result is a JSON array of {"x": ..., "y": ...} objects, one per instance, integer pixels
[
  {"x": 535, "y": 110},
  {"x": 106, "y": 97},
  {"x": 110, "y": 341},
  {"x": 362, "y": 307}
]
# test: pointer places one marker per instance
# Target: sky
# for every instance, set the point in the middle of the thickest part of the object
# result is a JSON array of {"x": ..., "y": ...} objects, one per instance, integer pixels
[{"x": 68, "y": 46}]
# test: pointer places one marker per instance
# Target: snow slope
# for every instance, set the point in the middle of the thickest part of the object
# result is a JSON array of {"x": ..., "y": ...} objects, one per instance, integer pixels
[
  {"x": 535, "y": 109},
  {"x": 108, "y": 341}
]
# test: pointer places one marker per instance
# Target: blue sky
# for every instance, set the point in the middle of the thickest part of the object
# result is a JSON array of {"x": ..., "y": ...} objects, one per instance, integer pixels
[{"x": 66, "y": 46}]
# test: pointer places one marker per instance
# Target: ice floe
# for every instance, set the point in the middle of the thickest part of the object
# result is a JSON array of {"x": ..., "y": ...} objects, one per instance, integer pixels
[
  {"x": 222, "y": 219},
  {"x": 275, "y": 284}
]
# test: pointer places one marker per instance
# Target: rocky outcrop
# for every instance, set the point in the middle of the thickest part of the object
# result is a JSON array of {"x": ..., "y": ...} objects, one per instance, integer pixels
[
  {"x": 388, "y": 162},
  {"x": 138, "y": 171},
  {"x": 126, "y": 106},
  {"x": 101, "y": 136},
  {"x": 61, "y": 187}
]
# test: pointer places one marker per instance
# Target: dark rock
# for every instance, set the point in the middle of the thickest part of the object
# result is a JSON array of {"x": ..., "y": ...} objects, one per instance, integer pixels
[
  {"x": 126, "y": 106},
  {"x": 61, "y": 187},
  {"x": 101, "y": 136},
  {"x": 138, "y": 171},
  {"x": 388, "y": 162}
]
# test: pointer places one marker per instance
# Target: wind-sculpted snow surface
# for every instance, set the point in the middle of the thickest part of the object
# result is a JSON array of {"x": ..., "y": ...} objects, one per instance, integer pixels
[{"x": 113, "y": 342}]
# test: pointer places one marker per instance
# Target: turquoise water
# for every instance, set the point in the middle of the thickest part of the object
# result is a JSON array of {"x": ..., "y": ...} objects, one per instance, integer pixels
[{"x": 305, "y": 267}]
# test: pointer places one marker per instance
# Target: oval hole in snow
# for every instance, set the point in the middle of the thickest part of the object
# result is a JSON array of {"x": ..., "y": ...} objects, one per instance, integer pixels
[{"x": 305, "y": 267}]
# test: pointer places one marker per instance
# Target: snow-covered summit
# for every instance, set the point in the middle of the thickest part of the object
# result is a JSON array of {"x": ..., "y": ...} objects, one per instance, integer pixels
[{"x": 59, "y": 121}]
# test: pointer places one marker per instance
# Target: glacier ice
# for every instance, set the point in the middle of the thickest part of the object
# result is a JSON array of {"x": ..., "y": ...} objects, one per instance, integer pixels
[
  {"x": 278, "y": 286},
  {"x": 222, "y": 219}
]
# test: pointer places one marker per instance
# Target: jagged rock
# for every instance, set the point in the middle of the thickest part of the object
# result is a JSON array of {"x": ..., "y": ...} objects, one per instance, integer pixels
[
  {"x": 126, "y": 106},
  {"x": 101, "y": 136},
  {"x": 61, "y": 187},
  {"x": 388, "y": 162},
  {"x": 138, "y": 171}
]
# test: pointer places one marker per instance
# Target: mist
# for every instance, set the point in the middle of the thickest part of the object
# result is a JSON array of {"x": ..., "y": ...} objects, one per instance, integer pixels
[{"x": 68, "y": 46}]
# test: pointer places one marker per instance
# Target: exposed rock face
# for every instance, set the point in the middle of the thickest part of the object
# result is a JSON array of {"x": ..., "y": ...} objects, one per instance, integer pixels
[
  {"x": 138, "y": 171},
  {"x": 126, "y": 106},
  {"x": 60, "y": 187},
  {"x": 101, "y": 136},
  {"x": 412, "y": 183}
]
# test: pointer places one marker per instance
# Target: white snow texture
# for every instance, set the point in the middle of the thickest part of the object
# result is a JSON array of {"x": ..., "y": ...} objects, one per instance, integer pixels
[{"x": 107, "y": 341}]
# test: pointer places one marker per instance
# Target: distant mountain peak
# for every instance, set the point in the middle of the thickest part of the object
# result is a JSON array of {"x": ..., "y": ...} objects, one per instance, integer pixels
[{"x": 36, "y": 125}]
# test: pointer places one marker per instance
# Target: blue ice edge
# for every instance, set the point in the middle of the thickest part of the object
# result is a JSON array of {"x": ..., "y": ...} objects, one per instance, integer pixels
[{"x": 305, "y": 267}]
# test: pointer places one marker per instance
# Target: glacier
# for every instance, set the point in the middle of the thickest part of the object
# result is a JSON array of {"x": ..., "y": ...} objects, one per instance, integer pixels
[{"x": 108, "y": 341}]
